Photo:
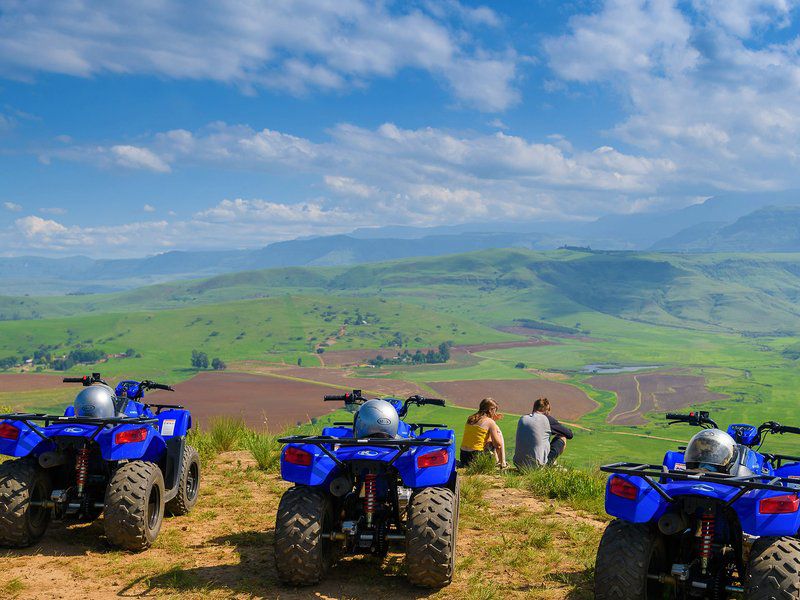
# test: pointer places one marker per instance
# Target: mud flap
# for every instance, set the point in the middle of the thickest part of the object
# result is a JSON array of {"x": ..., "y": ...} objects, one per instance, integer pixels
[{"x": 173, "y": 464}]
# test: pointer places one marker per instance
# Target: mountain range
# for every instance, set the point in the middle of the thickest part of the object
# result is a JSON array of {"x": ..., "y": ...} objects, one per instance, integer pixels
[{"x": 765, "y": 222}]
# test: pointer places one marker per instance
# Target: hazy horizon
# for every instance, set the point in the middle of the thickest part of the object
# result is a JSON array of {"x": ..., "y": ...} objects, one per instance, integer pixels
[{"x": 204, "y": 126}]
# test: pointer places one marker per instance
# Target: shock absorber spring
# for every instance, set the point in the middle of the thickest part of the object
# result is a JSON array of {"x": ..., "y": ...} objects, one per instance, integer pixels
[
  {"x": 370, "y": 496},
  {"x": 82, "y": 468},
  {"x": 706, "y": 535}
]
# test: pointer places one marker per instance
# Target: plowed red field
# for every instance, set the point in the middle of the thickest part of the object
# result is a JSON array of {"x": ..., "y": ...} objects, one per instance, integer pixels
[
  {"x": 640, "y": 393},
  {"x": 517, "y": 396},
  {"x": 263, "y": 402},
  {"x": 23, "y": 382}
]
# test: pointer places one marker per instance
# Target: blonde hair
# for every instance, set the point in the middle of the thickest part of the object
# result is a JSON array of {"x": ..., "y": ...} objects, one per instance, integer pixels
[{"x": 487, "y": 408}]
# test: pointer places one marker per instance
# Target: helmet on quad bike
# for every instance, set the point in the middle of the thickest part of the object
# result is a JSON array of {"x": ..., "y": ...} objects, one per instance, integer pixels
[
  {"x": 376, "y": 418},
  {"x": 97, "y": 400},
  {"x": 711, "y": 450}
]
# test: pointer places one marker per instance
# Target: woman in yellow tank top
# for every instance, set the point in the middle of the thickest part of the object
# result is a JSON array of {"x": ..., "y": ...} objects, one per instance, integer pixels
[{"x": 481, "y": 434}]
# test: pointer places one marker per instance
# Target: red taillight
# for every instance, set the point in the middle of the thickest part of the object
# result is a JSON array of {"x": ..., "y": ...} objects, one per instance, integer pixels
[
  {"x": 131, "y": 435},
  {"x": 8, "y": 431},
  {"x": 296, "y": 456},
  {"x": 779, "y": 505},
  {"x": 436, "y": 458},
  {"x": 623, "y": 489}
]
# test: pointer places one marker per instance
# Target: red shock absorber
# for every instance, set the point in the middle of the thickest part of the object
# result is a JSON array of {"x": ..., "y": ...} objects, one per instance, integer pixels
[
  {"x": 370, "y": 496},
  {"x": 82, "y": 468},
  {"x": 707, "y": 528}
]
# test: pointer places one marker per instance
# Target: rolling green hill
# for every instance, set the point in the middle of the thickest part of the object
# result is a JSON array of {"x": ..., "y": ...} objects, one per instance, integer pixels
[{"x": 750, "y": 293}]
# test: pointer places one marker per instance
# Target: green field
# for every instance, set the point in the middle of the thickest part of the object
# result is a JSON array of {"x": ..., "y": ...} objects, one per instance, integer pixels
[{"x": 731, "y": 318}]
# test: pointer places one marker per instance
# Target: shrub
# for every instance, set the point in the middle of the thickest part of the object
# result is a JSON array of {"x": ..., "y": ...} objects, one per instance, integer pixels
[
  {"x": 520, "y": 365},
  {"x": 265, "y": 450},
  {"x": 227, "y": 433}
]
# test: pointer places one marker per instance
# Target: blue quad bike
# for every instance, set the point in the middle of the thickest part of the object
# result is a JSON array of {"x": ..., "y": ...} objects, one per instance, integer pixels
[
  {"x": 110, "y": 453},
  {"x": 366, "y": 485},
  {"x": 718, "y": 519}
]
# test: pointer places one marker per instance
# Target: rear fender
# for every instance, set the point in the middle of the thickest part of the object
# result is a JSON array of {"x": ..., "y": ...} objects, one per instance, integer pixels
[
  {"x": 320, "y": 472},
  {"x": 150, "y": 449},
  {"x": 758, "y": 524},
  {"x": 174, "y": 422},
  {"x": 646, "y": 507},
  {"x": 28, "y": 443},
  {"x": 415, "y": 477}
]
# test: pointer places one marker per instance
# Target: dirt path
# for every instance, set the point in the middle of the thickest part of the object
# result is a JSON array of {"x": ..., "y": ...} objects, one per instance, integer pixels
[{"x": 223, "y": 549}]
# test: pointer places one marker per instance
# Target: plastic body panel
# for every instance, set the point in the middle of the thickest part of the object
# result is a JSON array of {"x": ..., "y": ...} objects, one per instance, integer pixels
[
  {"x": 649, "y": 505},
  {"x": 323, "y": 469}
]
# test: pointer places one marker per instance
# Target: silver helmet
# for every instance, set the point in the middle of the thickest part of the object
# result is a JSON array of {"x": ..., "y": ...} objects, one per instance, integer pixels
[
  {"x": 376, "y": 418},
  {"x": 711, "y": 450},
  {"x": 97, "y": 400}
]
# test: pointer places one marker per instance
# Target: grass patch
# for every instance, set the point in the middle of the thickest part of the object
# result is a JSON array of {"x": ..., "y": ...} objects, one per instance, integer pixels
[
  {"x": 580, "y": 489},
  {"x": 265, "y": 450},
  {"x": 483, "y": 464},
  {"x": 12, "y": 588},
  {"x": 226, "y": 433}
]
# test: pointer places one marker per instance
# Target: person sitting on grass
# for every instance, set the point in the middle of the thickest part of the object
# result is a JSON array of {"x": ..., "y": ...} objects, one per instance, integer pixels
[
  {"x": 481, "y": 434},
  {"x": 534, "y": 448}
]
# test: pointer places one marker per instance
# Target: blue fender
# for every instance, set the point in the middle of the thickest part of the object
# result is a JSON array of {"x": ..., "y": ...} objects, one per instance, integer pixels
[
  {"x": 647, "y": 506},
  {"x": 174, "y": 422},
  {"x": 415, "y": 477},
  {"x": 27, "y": 443},
  {"x": 150, "y": 449},
  {"x": 320, "y": 472}
]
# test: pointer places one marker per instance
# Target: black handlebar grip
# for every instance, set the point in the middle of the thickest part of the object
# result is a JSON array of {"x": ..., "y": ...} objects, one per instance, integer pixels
[
  {"x": 435, "y": 401},
  {"x": 161, "y": 386},
  {"x": 789, "y": 429},
  {"x": 73, "y": 379},
  {"x": 336, "y": 397},
  {"x": 677, "y": 417}
]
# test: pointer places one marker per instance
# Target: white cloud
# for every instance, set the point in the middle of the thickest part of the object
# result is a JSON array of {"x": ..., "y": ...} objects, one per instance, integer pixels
[
  {"x": 294, "y": 46},
  {"x": 33, "y": 227},
  {"x": 135, "y": 157},
  {"x": 53, "y": 210},
  {"x": 382, "y": 170},
  {"x": 149, "y": 208},
  {"x": 12, "y": 206},
  {"x": 700, "y": 87},
  {"x": 49, "y": 236},
  {"x": 347, "y": 186}
]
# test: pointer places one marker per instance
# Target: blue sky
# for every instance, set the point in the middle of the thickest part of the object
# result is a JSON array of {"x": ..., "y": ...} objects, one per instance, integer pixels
[{"x": 132, "y": 130}]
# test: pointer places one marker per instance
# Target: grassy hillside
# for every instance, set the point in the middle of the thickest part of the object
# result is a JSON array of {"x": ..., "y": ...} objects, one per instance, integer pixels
[
  {"x": 278, "y": 329},
  {"x": 743, "y": 293}
]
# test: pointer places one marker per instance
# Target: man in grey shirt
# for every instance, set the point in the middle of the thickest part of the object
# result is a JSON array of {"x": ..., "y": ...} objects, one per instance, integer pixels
[{"x": 533, "y": 447}]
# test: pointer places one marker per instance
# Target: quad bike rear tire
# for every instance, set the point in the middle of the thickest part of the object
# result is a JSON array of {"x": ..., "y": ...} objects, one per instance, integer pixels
[
  {"x": 22, "y": 483},
  {"x": 134, "y": 505},
  {"x": 302, "y": 555},
  {"x": 627, "y": 553},
  {"x": 431, "y": 532},
  {"x": 774, "y": 569},
  {"x": 189, "y": 484}
]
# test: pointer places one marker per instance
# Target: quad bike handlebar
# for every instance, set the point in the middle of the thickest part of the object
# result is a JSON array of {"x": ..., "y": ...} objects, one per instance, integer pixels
[
  {"x": 698, "y": 419},
  {"x": 356, "y": 397},
  {"x": 775, "y": 427},
  {"x": 86, "y": 380},
  {"x": 152, "y": 385}
]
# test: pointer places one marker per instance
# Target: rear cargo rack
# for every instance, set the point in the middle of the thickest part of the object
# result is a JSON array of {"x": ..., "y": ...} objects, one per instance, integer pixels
[
  {"x": 745, "y": 483},
  {"x": 401, "y": 444},
  {"x": 100, "y": 423}
]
